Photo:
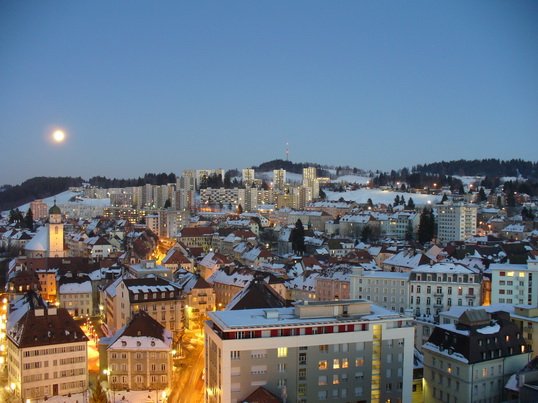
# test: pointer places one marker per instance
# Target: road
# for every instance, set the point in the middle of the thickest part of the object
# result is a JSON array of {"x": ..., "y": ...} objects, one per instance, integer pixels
[{"x": 188, "y": 386}]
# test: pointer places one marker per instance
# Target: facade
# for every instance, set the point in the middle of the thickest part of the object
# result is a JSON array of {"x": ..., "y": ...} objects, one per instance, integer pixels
[
  {"x": 279, "y": 179},
  {"x": 39, "y": 209},
  {"x": 455, "y": 222},
  {"x": 344, "y": 350},
  {"x": 75, "y": 296},
  {"x": 199, "y": 300},
  {"x": 435, "y": 288},
  {"x": 387, "y": 289},
  {"x": 472, "y": 360},
  {"x": 248, "y": 176},
  {"x": 140, "y": 356},
  {"x": 158, "y": 297},
  {"x": 310, "y": 180},
  {"x": 46, "y": 352},
  {"x": 514, "y": 283}
]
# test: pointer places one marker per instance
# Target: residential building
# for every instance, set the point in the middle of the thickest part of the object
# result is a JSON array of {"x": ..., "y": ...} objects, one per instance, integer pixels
[
  {"x": 514, "y": 283},
  {"x": 455, "y": 221},
  {"x": 279, "y": 179},
  {"x": 39, "y": 209},
  {"x": 75, "y": 295},
  {"x": 248, "y": 176},
  {"x": 199, "y": 300},
  {"x": 160, "y": 298},
  {"x": 310, "y": 180},
  {"x": 344, "y": 350},
  {"x": 46, "y": 351},
  {"x": 472, "y": 360},
  {"x": 139, "y": 356}
]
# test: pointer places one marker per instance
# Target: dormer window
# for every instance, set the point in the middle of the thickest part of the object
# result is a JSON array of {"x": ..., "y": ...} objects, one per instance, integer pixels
[
  {"x": 123, "y": 343},
  {"x": 152, "y": 343},
  {"x": 138, "y": 344}
]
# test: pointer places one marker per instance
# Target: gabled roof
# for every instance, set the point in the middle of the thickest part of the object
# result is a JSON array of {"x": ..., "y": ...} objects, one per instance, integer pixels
[
  {"x": 261, "y": 395},
  {"x": 46, "y": 326},
  {"x": 258, "y": 294}
]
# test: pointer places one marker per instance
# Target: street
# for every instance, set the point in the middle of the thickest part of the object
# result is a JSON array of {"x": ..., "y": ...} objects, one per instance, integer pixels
[{"x": 188, "y": 386}]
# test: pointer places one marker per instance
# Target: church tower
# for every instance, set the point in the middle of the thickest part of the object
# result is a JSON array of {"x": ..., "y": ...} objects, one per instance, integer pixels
[{"x": 56, "y": 232}]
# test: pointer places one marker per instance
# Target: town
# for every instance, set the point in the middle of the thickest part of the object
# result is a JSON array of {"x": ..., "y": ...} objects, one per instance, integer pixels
[{"x": 275, "y": 286}]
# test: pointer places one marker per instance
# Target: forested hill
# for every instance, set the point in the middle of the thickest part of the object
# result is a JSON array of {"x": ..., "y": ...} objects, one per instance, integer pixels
[
  {"x": 485, "y": 167},
  {"x": 41, "y": 187},
  {"x": 294, "y": 167},
  {"x": 35, "y": 188}
]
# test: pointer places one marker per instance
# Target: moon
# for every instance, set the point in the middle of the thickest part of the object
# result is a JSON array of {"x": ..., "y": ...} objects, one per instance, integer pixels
[{"x": 58, "y": 136}]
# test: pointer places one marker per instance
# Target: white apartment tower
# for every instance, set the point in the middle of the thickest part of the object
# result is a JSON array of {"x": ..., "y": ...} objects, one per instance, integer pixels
[
  {"x": 279, "y": 179},
  {"x": 348, "y": 350},
  {"x": 310, "y": 180},
  {"x": 456, "y": 222},
  {"x": 248, "y": 176}
]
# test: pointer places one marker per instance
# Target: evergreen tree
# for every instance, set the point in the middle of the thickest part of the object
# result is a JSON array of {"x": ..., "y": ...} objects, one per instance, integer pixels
[
  {"x": 426, "y": 226},
  {"x": 482, "y": 195},
  {"x": 297, "y": 238},
  {"x": 29, "y": 219},
  {"x": 499, "y": 202},
  {"x": 409, "y": 236},
  {"x": 402, "y": 200},
  {"x": 167, "y": 203},
  {"x": 397, "y": 200},
  {"x": 510, "y": 199},
  {"x": 322, "y": 194},
  {"x": 366, "y": 233},
  {"x": 239, "y": 209},
  {"x": 370, "y": 203},
  {"x": 410, "y": 204},
  {"x": 444, "y": 198},
  {"x": 97, "y": 394}
]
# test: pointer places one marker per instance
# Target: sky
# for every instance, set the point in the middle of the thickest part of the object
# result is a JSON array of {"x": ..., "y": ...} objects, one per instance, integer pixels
[{"x": 142, "y": 86}]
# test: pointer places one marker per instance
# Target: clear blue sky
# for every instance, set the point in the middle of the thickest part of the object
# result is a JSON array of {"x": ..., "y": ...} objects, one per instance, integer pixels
[{"x": 144, "y": 86}]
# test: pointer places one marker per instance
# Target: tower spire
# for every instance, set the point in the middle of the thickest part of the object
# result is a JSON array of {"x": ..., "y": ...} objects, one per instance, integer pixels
[{"x": 287, "y": 151}]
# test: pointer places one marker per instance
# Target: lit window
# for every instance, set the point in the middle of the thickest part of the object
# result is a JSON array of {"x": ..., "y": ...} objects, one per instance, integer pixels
[
  {"x": 359, "y": 362},
  {"x": 510, "y": 274},
  {"x": 336, "y": 363},
  {"x": 521, "y": 274},
  {"x": 322, "y": 364},
  {"x": 282, "y": 352}
]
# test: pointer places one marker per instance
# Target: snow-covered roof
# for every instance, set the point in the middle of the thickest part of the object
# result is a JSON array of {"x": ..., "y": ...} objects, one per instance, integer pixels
[
  {"x": 40, "y": 242},
  {"x": 76, "y": 288}
]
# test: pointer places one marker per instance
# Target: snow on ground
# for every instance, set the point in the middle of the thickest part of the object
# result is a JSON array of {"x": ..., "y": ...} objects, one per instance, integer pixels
[
  {"x": 63, "y": 199},
  {"x": 381, "y": 196},
  {"x": 361, "y": 180},
  {"x": 467, "y": 180}
]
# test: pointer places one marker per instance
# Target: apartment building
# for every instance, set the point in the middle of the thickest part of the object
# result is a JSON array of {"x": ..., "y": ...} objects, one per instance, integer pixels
[
  {"x": 387, "y": 289},
  {"x": 46, "y": 351},
  {"x": 279, "y": 179},
  {"x": 455, "y": 222},
  {"x": 472, "y": 360},
  {"x": 139, "y": 356},
  {"x": 344, "y": 350},
  {"x": 161, "y": 299},
  {"x": 514, "y": 283}
]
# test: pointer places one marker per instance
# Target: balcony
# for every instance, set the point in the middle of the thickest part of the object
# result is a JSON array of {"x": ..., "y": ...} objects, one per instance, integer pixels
[
  {"x": 470, "y": 296},
  {"x": 436, "y": 305},
  {"x": 438, "y": 294}
]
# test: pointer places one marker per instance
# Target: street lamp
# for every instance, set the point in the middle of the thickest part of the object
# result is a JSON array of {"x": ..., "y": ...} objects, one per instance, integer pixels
[{"x": 108, "y": 372}]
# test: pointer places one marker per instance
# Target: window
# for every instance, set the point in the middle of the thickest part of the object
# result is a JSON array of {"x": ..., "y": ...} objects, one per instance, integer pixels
[
  {"x": 359, "y": 362},
  {"x": 322, "y": 365},
  {"x": 281, "y": 367},
  {"x": 282, "y": 352},
  {"x": 235, "y": 355},
  {"x": 324, "y": 348},
  {"x": 336, "y": 379},
  {"x": 336, "y": 363},
  {"x": 344, "y": 363},
  {"x": 322, "y": 380}
]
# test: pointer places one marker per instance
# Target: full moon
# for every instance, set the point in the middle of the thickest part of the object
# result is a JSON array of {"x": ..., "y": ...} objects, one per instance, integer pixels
[{"x": 58, "y": 136}]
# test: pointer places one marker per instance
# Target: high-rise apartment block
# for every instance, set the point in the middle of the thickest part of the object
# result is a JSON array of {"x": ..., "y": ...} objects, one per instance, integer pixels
[
  {"x": 310, "y": 180},
  {"x": 456, "y": 222},
  {"x": 279, "y": 179},
  {"x": 345, "y": 350},
  {"x": 248, "y": 176}
]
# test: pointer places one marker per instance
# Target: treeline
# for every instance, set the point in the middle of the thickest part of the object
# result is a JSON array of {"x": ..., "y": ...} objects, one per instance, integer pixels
[
  {"x": 35, "y": 188},
  {"x": 491, "y": 167},
  {"x": 147, "y": 179}
]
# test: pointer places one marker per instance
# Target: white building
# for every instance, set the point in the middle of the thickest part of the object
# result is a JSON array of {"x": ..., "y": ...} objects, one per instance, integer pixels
[
  {"x": 47, "y": 351},
  {"x": 514, "y": 283},
  {"x": 455, "y": 222},
  {"x": 344, "y": 350}
]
